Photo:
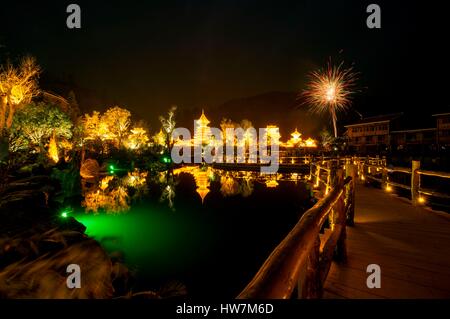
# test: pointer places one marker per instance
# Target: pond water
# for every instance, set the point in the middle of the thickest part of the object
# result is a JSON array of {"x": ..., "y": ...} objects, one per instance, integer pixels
[{"x": 208, "y": 229}]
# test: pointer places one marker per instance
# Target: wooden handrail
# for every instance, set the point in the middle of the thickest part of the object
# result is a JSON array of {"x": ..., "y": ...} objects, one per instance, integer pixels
[
  {"x": 434, "y": 173},
  {"x": 280, "y": 273}
]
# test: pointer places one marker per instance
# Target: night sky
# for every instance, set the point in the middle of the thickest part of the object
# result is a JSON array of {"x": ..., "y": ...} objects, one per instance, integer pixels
[{"x": 149, "y": 55}]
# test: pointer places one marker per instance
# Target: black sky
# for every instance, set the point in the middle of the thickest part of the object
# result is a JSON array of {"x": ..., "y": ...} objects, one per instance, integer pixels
[{"x": 148, "y": 55}]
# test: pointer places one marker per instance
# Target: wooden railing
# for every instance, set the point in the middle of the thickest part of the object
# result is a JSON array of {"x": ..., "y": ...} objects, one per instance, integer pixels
[
  {"x": 370, "y": 168},
  {"x": 301, "y": 261}
]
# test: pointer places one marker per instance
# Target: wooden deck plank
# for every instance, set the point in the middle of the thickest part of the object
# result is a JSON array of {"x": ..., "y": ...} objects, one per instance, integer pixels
[{"x": 411, "y": 245}]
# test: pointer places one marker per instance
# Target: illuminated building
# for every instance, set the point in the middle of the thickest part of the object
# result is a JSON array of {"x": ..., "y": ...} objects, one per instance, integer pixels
[{"x": 202, "y": 131}]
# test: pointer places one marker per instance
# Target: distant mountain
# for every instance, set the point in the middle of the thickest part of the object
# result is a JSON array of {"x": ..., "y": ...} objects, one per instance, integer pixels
[
  {"x": 87, "y": 99},
  {"x": 277, "y": 108}
]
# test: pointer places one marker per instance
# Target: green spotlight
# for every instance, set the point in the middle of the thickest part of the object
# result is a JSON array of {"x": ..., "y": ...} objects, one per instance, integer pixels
[{"x": 65, "y": 212}]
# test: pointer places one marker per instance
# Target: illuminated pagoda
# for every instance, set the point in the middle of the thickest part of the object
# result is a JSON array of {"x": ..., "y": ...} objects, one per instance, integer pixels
[
  {"x": 295, "y": 140},
  {"x": 202, "y": 131},
  {"x": 202, "y": 183},
  {"x": 310, "y": 143}
]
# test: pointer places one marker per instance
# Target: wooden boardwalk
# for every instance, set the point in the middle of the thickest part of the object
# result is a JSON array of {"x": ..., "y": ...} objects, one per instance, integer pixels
[{"x": 410, "y": 244}]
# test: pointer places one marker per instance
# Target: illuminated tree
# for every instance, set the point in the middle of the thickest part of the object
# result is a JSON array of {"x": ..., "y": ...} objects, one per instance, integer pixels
[
  {"x": 117, "y": 121},
  {"x": 91, "y": 126},
  {"x": 34, "y": 125},
  {"x": 137, "y": 139},
  {"x": 17, "y": 87},
  {"x": 224, "y": 125},
  {"x": 53, "y": 149},
  {"x": 326, "y": 139},
  {"x": 246, "y": 124},
  {"x": 159, "y": 138},
  {"x": 168, "y": 124}
]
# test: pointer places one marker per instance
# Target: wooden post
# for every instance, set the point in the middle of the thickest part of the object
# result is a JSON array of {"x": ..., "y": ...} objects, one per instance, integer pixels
[
  {"x": 317, "y": 175},
  {"x": 351, "y": 171},
  {"x": 340, "y": 218},
  {"x": 365, "y": 168},
  {"x": 384, "y": 177},
  {"x": 415, "y": 182},
  {"x": 309, "y": 285}
]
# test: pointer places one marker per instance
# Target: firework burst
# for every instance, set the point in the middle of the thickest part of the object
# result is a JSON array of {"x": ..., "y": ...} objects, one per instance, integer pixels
[{"x": 330, "y": 90}]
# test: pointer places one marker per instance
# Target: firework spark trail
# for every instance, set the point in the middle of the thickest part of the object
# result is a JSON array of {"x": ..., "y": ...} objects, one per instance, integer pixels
[{"x": 330, "y": 89}]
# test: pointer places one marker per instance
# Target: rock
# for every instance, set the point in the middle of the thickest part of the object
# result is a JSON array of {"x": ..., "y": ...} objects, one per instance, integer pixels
[
  {"x": 71, "y": 223},
  {"x": 89, "y": 169}
]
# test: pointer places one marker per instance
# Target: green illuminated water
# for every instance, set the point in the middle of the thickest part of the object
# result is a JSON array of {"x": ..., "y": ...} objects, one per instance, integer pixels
[{"x": 213, "y": 248}]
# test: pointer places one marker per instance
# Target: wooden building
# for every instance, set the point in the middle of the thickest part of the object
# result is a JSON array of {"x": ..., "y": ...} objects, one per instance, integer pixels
[
  {"x": 442, "y": 129},
  {"x": 371, "y": 134}
]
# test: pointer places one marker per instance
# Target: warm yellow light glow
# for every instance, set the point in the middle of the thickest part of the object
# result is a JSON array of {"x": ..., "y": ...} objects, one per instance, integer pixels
[
  {"x": 273, "y": 134},
  {"x": 53, "y": 149},
  {"x": 310, "y": 143},
  {"x": 104, "y": 183},
  {"x": 296, "y": 137},
  {"x": 137, "y": 139},
  {"x": 202, "y": 130},
  {"x": 388, "y": 188},
  {"x": 421, "y": 200},
  {"x": 136, "y": 178},
  {"x": 331, "y": 92},
  {"x": 271, "y": 183},
  {"x": 362, "y": 177},
  {"x": 202, "y": 182}
]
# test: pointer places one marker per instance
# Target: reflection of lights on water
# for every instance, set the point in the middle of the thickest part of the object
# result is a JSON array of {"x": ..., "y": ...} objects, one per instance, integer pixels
[{"x": 272, "y": 183}]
